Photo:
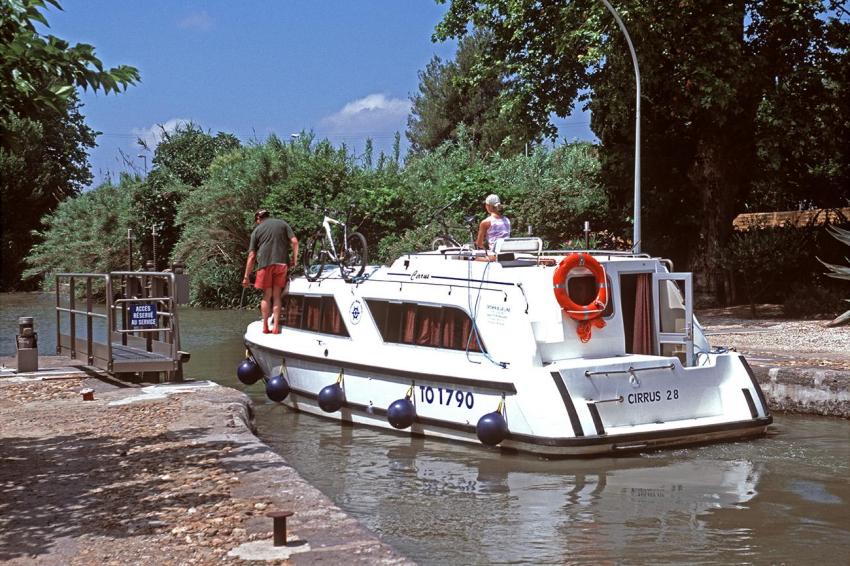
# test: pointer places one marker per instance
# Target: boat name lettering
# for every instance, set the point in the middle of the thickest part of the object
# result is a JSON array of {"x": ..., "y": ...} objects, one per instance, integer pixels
[
  {"x": 652, "y": 396},
  {"x": 416, "y": 275},
  {"x": 498, "y": 309},
  {"x": 446, "y": 396},
  {"x": 498, "y": 314}
]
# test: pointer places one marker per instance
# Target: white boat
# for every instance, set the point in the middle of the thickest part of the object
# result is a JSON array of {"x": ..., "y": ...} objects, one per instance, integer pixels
[{"x": 447, "y": 344}]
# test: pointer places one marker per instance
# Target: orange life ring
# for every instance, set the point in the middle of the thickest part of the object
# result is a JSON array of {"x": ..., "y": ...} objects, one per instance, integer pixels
[{"x": 588, "y": 314}]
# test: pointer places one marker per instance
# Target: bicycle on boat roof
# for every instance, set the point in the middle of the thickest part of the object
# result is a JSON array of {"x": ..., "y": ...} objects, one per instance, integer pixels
[
  {"x": 350, "y": 256},
  {"x": 446, "y": 234}
]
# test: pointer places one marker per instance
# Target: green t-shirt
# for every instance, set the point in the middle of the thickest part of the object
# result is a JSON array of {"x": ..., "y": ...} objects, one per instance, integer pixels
[{"x": 270, "y": 241}]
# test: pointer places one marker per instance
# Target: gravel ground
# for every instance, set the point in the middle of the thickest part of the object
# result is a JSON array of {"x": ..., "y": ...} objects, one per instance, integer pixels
[
  {"x": 177, "y": 480},
  {"x": 774, "y": 341}
]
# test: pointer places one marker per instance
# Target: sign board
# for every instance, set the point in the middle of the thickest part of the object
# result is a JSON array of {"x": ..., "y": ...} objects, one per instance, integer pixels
[{"x": 143, "y": 315}]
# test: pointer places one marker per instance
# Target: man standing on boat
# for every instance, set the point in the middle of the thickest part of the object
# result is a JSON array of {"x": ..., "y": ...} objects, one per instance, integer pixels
[
  {"x": 495, "y": 227},
  {"x": 269, "y": 248}
]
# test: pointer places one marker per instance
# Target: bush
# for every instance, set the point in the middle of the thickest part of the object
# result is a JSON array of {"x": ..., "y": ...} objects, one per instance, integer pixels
[
  {"x": 87, "y": 233},
  {"x": 772, "y": 264},
  {"x": 204, "y": 207},
  {"x": 218, "y": 218},
  {"x": 813, "y": 301}
]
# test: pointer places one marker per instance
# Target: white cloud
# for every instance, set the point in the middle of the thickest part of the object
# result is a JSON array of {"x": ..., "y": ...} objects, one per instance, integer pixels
[
  {"x": 154, "y": 134},
  {"x": 200, "y": 21},
  {"x": 370, "y": 115}
]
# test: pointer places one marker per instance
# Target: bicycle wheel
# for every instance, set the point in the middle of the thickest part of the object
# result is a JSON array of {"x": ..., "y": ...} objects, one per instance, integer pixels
[
  {"x": 440, "y": 242},
  {"x": 313, "y": 259},
  {"x": 353, "y": 264}
]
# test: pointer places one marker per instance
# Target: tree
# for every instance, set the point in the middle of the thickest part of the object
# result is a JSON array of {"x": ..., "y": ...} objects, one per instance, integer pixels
[
  {"x": 43, "y": 72},
  {"x": 466, "y": 91},
  {"x": 181, "y": 164},
  {"x": 805, "y": 106},
  {"x": 44, "y": 140},
  {"x": 42, "y": 162},
  {"x": 86, "y": 233},
  {"x": 706, "y": 73}
]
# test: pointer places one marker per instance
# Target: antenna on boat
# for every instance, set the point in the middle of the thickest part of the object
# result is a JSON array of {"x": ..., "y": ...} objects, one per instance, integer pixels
[{"x": 636, "y": 232}]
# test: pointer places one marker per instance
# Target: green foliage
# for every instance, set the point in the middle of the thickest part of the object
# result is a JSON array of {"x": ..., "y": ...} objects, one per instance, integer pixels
[
  {"x": 87, "y": 233},
  {"x": 466, "y": 92},
  {"x": 41, "y": 73},
  {"x": 392, "y": 205},
  {"x": 181, "y": 164},
  {"x": 188, "y": 151},
  {"x": 734, "y": 100},
  {"x": 768, "y": 262},
  {"x": 42, "y": 162},
  {"x": 217, "y": 220},
  {"x": 43, "y": 140},
  {"x": 554, "y": 191}
]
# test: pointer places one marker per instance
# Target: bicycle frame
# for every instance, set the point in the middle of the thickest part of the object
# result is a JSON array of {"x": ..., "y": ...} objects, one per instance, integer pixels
[{"x": 326, "y": 225}]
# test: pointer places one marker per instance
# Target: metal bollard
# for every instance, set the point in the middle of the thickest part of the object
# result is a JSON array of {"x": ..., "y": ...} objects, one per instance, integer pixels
[
  {"x": 27, "y": 345},
  {"x": 279, "y": 527}
]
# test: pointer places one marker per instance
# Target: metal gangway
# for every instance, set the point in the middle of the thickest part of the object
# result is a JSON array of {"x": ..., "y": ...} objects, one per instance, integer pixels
[{"x": 123, "y": 322}]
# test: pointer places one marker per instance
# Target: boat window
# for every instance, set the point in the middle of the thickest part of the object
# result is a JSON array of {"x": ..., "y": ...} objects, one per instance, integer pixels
[
  {"x": 314, "y": 313},
  {"x": 424, "y": 325},
  {"x": 582, "y": 290}
]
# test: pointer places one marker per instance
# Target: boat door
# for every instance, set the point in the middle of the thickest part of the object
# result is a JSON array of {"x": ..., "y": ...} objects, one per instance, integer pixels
[{"x": 673, "y": 315}]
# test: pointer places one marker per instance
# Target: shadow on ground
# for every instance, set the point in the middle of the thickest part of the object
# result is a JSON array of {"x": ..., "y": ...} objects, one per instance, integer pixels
[{"x": 75, "y": 485}]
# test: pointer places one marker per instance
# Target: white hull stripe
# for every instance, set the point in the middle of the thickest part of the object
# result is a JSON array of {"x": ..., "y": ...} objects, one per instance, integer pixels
[{"x": 499, "y": 386}]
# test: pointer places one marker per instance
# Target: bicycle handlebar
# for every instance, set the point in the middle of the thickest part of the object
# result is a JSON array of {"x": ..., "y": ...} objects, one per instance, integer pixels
[{"x": 442, "y": 209}]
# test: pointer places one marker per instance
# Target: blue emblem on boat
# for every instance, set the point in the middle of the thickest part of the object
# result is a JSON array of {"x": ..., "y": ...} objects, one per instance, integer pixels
[{"x": 355, "y": 312}]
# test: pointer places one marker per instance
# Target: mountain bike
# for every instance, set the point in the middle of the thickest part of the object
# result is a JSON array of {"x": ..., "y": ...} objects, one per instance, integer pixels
[
  {"x": 351, "y": 255},
  {"x": 446, "y": 234}
]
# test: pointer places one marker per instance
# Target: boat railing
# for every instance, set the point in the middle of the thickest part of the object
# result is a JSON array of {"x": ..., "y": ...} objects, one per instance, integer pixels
[{"x": 620, "y": 253}]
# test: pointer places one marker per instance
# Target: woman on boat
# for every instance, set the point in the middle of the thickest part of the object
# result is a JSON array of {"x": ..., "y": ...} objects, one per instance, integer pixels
[{"x": 496, "y": 226}]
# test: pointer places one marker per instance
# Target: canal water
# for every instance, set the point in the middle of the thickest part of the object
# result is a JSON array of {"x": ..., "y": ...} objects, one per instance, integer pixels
[{"x": 784, "y": 499}]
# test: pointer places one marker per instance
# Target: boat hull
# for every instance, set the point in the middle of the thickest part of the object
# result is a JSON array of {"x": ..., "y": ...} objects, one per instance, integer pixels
[{"x": 370, "y": 389}]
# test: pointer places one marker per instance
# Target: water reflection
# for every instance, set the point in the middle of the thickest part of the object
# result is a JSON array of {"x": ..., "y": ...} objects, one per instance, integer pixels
[{"x": 484, "y": 507}]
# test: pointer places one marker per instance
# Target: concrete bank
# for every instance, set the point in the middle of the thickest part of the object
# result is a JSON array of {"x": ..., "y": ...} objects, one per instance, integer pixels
[
  {"x": 803, "y": 366},
  {"x": 812, "y": 391},
  {"x": 158, "y": 475}
]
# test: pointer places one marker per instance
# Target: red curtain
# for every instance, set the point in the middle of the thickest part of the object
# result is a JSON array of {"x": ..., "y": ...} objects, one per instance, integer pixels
[
  {"x": 451, "y": 330},
  {"x": 642, "y": 337},
  {"x": 436, "y": 327},
  {"x": 468, "y": 336},
  {"x": 331, "y": 318},
  {"x": 428, "y": 326},
  {"x": 409, "y": 326},
  {"x": 292, "y": 306},
  {"x": 313, "y": 318}
]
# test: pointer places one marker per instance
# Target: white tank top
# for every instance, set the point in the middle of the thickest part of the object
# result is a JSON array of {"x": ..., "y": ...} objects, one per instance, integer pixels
[{"x": 499, "y": 228}]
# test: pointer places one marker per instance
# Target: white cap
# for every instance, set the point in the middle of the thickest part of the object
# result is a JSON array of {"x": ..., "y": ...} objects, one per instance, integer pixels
[{"x": 493, "y": 200}]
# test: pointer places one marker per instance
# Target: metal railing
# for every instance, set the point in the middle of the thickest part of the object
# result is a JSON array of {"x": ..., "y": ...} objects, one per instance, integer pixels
[
  {"x": 88, "y": 313},
  {"x": 127, "y": 348}
]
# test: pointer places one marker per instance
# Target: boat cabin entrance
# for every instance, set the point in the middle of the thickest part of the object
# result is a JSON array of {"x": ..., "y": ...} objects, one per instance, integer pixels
[{"x": 657, "y": 310}]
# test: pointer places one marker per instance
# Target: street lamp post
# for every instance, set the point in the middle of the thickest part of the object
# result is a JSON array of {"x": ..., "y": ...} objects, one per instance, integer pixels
[
  {"x": 145, "y": 161},
  {"x": 636, "y": 233}
]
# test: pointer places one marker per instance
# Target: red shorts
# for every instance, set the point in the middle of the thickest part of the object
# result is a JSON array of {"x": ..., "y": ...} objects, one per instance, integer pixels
[{"x": 273, "y": 275}]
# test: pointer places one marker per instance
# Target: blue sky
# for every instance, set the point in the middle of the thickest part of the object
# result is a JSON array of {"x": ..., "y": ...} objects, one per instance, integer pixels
[{"x": 342, "y": 69}]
